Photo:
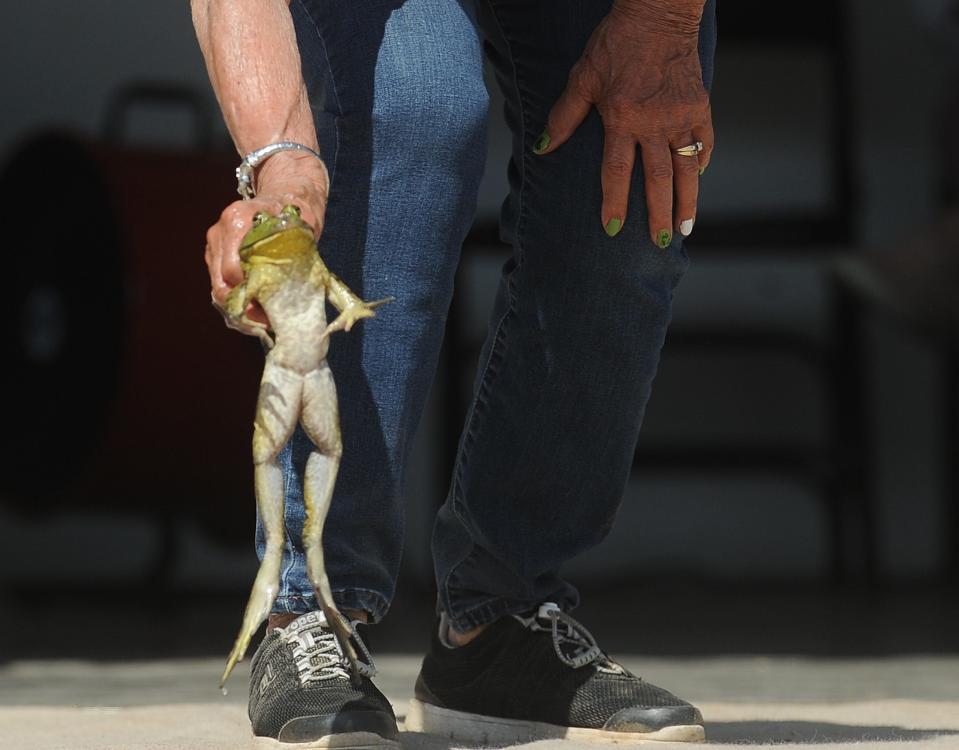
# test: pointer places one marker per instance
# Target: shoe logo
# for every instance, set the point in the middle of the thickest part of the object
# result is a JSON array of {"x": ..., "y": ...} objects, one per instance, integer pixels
[
  {"x": 267, "y": 679},
  {"x": 309, "y": 620}
]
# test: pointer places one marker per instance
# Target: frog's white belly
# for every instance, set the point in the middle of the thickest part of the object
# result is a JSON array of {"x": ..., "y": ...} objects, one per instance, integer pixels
[{"x": 298, "y": 317}]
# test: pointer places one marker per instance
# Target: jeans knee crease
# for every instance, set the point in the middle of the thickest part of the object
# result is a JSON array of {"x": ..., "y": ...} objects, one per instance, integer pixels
[{"x": 490, "y": 371}]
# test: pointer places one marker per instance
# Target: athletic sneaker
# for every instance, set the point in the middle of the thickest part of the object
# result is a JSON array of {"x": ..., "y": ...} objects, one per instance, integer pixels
[
  {"x": 301, "y": 692},
  {"x": 538, "y": 677}
]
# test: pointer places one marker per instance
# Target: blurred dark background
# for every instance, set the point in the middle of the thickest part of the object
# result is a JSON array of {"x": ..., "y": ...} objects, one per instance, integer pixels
[{"x": 796, "y": 485}]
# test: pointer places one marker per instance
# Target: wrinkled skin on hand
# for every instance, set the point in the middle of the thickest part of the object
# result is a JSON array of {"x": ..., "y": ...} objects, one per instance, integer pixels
[
  {"x": 284, "y": 179},
  {"x": 641, "y": 71},
  {"x": 281, "y": 270}
]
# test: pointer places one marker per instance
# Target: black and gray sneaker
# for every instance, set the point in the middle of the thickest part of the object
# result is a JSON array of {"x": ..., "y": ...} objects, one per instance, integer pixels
[
  {"x": 540, "y": 677},
  {"x": 301, "y": 692}
]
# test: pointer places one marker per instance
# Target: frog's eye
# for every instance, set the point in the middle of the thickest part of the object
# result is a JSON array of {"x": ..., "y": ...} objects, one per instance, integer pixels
[
  {"x": 258, "y": 218},
  {"x": 291, "y": 209}
]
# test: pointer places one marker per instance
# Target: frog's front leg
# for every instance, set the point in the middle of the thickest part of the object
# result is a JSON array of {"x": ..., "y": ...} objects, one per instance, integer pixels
[
  {"x": 234, "y": 313},
  {"x": 277, "y": 410},
  {"x": 261, "y": 331},
  {"x": 352, "y": 308}
]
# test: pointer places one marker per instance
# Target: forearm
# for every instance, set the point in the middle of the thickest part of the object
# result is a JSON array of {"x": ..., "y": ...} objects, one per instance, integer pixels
[
  {"x": 254, "y": 66},
  {"x": 340, "y": 295}
]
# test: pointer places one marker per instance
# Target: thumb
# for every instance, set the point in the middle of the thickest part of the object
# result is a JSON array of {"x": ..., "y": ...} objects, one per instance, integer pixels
[{"x": 566, "y": 115}]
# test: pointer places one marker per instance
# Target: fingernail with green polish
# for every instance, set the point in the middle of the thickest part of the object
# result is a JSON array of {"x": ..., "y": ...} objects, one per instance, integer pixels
[
  {"x": 542, "y": 143},
  {"x": 663, "y": 238},
  {"x": 701, "y": 170},
  {"x": 613, "y": 226}
]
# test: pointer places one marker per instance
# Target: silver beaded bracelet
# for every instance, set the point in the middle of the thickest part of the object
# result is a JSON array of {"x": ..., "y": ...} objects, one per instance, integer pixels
[{"x": 244, "y": 172}]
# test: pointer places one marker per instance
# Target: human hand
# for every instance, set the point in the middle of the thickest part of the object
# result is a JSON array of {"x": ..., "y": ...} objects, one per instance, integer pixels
[
  {"x": 288, "y": 181},
  {"x": 641, "y": 71}
]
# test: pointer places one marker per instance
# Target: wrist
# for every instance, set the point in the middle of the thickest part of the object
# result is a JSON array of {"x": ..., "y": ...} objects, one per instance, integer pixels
[
  {"x": 292, "y": 167},
  {"x": 673, "y": 17},
  {"x": 288, "y": 171}
]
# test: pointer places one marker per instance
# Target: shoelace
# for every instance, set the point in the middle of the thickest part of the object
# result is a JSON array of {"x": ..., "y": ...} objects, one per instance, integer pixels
[
  {"x": 577, "y": 640},
  {"x": 573, "y": 643},
  {"x": 317, "y": 654}
]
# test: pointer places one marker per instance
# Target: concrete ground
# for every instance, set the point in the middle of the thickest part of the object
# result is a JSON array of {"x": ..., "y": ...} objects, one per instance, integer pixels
[
  {"x": 787, "y": 702},
  {"x": 112, "y": 670}
]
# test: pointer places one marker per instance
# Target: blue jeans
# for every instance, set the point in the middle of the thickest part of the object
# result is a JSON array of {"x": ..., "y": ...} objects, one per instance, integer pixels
[{"x": 577, "y": 326}]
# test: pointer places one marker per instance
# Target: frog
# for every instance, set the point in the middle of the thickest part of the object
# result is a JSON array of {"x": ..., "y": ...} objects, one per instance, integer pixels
[{"x": 284, "y": 273}]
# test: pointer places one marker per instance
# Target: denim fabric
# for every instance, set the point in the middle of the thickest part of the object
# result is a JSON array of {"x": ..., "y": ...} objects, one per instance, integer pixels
[{"x": 578, "y": 322}]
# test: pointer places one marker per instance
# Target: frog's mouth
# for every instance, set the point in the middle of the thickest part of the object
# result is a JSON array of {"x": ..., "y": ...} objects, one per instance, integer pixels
[{"x": 284, "y": 225}]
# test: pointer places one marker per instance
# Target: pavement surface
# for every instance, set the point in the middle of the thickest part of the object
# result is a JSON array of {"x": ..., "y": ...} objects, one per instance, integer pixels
[{"x": 890, "y": 703}]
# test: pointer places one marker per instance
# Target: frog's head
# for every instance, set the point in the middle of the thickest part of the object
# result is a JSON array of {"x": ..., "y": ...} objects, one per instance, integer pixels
[{"x": 265, "y": 225}]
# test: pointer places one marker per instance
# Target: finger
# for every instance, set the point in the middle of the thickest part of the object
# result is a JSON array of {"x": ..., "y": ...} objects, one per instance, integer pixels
[
  {"x": 566, "y": 115},
  {"x": 255, "y": 312},
  {"x": 704, "y": 134},
  {"x": 685, "y": 186},
  {"x": 658, "y": 174},
  {"x": 217, "y": 286},
  {"x": 220, "y": 292},
  {"x": 235, "y": 221},
  {"x": 229, "y": 257},
  {"x": 223, "y": 275},
  {"x": 619, "y": 155}
]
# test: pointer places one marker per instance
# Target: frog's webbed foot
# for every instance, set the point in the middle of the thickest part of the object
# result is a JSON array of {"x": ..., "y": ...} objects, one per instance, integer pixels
[
  {"x": 379, "y": 302},
  {"x": 320, "y": 420},
  {"x": 350, "y": 315},
  {"x": 276, "y": 414}
]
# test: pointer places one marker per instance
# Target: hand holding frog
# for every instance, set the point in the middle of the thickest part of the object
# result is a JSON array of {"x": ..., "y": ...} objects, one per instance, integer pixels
[{"x": 286, "y": 179}]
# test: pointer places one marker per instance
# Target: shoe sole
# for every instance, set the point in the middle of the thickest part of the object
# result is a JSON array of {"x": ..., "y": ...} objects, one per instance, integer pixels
[
  {"x": 343, "y": 741},
  {"x": 476, "y": 729}
]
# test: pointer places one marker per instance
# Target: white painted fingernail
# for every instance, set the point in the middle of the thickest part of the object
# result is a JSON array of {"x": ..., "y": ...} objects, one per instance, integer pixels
[{"x": 686, "y": 227}]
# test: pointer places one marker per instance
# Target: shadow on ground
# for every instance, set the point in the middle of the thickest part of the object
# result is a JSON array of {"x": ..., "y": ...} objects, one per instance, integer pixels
[
  {"x": 808, "y": 732},
  {"x": 764, "y": 733},
  {"x": 419, "y": 741}
]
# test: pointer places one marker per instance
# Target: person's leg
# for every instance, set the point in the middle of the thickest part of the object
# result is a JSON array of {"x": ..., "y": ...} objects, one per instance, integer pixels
[
  {"x": 400, "y": 109},
  {"x": 565, "y": 375},
  {"x": 574, "y": 341}
]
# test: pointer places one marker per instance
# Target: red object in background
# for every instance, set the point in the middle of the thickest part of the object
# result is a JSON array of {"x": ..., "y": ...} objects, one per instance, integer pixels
[{"x": 123, "y": 387}]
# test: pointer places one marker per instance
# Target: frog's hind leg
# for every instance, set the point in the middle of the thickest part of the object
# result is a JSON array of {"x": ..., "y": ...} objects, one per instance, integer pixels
[
  {"x": 277, "y": 410},
  {"x": 320, "y": 419}
]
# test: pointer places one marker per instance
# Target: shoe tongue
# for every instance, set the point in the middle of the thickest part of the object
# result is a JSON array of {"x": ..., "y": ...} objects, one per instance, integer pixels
[
  {"x": 306, "y": 622},
  {"x": 545, "y": 609}
]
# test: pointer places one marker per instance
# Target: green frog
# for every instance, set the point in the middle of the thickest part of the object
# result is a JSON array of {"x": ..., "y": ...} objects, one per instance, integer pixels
[{"x": 284, "y": 274}]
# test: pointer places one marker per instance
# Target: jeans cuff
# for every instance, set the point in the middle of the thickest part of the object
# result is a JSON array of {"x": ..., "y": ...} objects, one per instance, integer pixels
[
  {"x": 487, "y": 612},
  {"x": 371, "y": 602}
]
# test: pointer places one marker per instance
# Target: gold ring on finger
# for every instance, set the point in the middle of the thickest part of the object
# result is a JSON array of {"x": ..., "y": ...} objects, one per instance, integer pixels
[{"x": 691, "y": 150}]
